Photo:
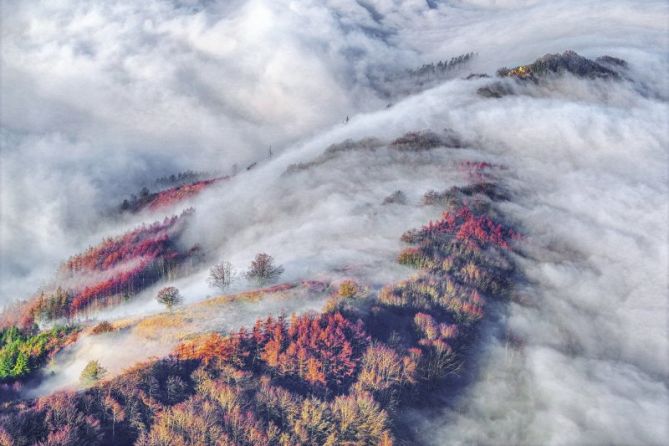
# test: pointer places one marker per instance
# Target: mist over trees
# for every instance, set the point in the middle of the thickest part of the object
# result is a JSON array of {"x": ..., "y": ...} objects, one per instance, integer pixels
[
  {"x": 220, "y": 275},
  {"x": 262, "y": 269},
  {"x": 110, "y": 273},
  {"x": 170, "y": 297},
  {"x": 473, "y": 254},
  {"x": 23, "y": 351},
  {"x": 336, "y": 377}
]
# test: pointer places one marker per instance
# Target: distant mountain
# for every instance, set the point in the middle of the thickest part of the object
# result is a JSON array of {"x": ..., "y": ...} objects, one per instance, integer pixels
[{"x": 569, "y": 62}]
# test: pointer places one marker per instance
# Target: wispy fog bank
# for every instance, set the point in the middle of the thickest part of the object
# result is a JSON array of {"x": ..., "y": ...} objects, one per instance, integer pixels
[{"x": 96, "y": 97}]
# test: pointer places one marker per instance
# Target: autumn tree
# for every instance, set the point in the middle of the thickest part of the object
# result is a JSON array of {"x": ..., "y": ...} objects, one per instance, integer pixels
[
  {"x": 220, "y": 275},
  {"x": 92, "y": 373},
  {"x": 349, "y": 289},
  {"x": 169, "y": 296},
  {"x": 5, "y": 438},
  {"x": 193, "y": 423},
  {"x": 382, "y": 369},
  {"x": 176, "y": 389},
  {"x": 115, "y": 410},
  {"x": 313, "y": 423},
  {"x": 262, "y": 269},
  {"x": 360, "y": 420},
  {"x": 324, "y": 351},
  {"x": 102, "y": 327},
  {"x": 64, "y": 420}
]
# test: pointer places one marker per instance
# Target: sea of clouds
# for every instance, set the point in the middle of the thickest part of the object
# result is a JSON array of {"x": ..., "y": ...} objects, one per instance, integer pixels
[{"x": 98, "y": 97}]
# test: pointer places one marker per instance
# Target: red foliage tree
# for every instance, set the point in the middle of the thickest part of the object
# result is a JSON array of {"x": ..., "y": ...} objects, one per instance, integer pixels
[
  {"x": 134, "y": 261},
  {"x": 173, "y": 195},
  {"x": 323, "y": 350},
  {"x": 478, "y": 231}
]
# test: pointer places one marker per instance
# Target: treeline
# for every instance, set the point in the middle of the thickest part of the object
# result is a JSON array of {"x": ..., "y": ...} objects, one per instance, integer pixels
[
  {"x": 156, "y": 200},
  {"x": 410, "y": 141},
  {"x": 555, "y": 65},
  {"x": 24, "y": 351},
  {"x": 397, "y": 84},
  {"x": 152, "y": 241},
  {"x": 442, "y": 67},
  {"x": 340, "y": 377},
  {"x": 181, "y": 178}
]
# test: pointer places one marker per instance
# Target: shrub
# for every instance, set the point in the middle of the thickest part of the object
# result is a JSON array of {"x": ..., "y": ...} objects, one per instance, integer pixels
[
  {"x": 102, "y": 327},
  {"x": 92, "y": 373}
]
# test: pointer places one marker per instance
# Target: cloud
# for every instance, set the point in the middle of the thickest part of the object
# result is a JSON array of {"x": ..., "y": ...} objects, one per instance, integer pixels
[
  {"x": 141, "y": 339},
  {"x": 99, "y": 98},
  {"x": 104, "y": 95}
]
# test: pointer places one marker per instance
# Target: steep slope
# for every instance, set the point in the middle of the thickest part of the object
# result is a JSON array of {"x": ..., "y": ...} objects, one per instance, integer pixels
[
  {"x": 359, "y": 361},
  {"x": 467, "y": 334},
  {"x": 108, "y": 274},
  {"x": 460, "y": 331}
]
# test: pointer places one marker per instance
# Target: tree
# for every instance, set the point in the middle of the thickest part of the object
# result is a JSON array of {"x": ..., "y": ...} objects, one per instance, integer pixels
[
  {"x": 381, "y": 369},
  {"x": 169, "y": 296},
  {"x": 21, "y": 366},
  {"x": 8, "y": 356},
  {"x": 102, "y": 327},
  {"x": 323, "y": 350},
  {"x": 115, "y": 410},
  {"x": 349, "y": 289},
  {"x": 5, "y": 438},
  {"x": 262, "y": 269},
  {"x": 220, "y": 275},
  {"x": 92, "y": 373},
  {"x": 176, "y": 389}
]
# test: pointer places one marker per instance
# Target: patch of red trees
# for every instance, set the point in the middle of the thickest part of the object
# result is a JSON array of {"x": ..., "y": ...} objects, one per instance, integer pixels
[
  {"x": 322, "y": 351},
  {"x": 477, "y": 230},
  {"x": 118, "y": 267},
  {"x": 339, "y": 377},
  {"x": 173, "y": 195},
  {"x": 149, "y": 242},
  {"x": 150, "y": 251}
]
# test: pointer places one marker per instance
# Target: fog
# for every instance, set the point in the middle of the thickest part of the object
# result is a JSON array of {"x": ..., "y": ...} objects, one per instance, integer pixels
[
  {"x": 101, "y": 98},
  {"x": 139, "y": 339},
  {"x": 590, "y": 178},
  {"x": 98, "y": 98}
]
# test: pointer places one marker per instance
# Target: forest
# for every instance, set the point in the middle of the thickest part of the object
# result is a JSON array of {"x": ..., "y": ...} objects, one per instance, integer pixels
[
  {"x": 342, "y": 376},
  {"x": 109, "y": 273},
  {"x": 147, "y": 200},
  {"x": 25, "y": 351},
  {"x": 329, "y": 222}
]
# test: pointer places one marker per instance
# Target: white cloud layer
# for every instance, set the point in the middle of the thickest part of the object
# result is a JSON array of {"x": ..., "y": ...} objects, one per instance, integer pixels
[{"x": 96, "y": 97}]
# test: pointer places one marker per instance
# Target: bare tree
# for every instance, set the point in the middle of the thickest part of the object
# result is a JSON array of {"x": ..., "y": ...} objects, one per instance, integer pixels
[
  {"x": 220, "y": 275},
  {"x": 262, "y": 269},
  {"x": 169, "y": 296}
]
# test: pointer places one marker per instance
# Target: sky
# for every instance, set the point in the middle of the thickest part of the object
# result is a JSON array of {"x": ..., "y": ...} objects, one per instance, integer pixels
[{"x": 97, "y": 99}]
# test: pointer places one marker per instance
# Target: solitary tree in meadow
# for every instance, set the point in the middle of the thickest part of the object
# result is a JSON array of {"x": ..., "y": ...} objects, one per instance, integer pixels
[
  {"x": 220, "y": 275},
  {"x": 262, "y": 269},
  {"x": 170, "y": 297}
]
